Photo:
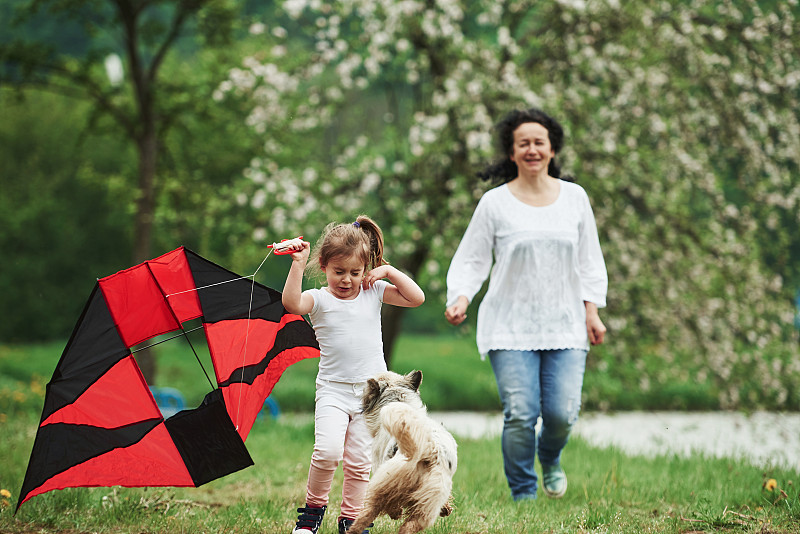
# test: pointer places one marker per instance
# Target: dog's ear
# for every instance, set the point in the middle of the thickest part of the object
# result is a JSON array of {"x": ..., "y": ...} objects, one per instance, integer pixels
[
  {"x": 371, "y": 393},
  {"x": 414, "y": 379}
]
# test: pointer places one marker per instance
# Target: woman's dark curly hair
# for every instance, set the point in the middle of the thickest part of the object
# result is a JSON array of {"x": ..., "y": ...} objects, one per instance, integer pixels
[{"x": 503, "y": 169}]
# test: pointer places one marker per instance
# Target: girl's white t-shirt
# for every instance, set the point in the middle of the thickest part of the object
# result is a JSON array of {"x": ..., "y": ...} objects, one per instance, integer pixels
[
  {"x": 547, "y": 262},
  {"x": 349, "y": 334}
]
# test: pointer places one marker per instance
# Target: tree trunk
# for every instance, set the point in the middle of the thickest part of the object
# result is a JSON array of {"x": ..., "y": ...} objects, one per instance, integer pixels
[
  {"x": 143, "y": 223},
  {"x": 392, "y": 316},
  {"x": 145, "y": 203}
]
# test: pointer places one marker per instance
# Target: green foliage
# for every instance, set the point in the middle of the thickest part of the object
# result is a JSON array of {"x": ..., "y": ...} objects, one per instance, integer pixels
[
  {"x": 203, "y": 154},
  {"x": 680, "y": 126},
  {"x": 69, "y": 201},
  {"x": 121, "y": 72},
  {"x": 686, "y": 142},
  {"x": 64, "y": 220}
]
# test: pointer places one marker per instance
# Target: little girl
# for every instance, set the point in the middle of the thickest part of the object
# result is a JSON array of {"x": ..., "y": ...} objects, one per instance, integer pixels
[{"x": 346, "y": 316}]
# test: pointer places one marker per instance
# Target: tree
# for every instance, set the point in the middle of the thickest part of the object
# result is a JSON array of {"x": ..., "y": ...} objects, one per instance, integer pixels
[
  {"x": 143, "y": 104},
  {"x": 429, "y": 76},
  {"x": 693, "y": 133},
  {"x": 682, "y": 123}
]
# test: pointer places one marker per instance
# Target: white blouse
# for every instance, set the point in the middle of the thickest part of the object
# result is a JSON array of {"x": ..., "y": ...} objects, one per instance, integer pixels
[{"x": 547, "y": 262}]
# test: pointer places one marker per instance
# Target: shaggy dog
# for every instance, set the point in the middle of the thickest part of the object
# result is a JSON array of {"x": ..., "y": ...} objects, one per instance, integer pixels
[{"x": 413, "y": 457}]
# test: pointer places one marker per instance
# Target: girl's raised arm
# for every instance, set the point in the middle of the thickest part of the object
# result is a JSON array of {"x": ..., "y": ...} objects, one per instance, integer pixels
[
  {"x": 294, "y": 300},
  {"x": 403, "y": 292}
]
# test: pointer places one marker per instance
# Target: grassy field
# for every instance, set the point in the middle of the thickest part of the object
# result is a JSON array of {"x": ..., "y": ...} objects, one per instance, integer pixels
[{"x": 609, "y": 492}]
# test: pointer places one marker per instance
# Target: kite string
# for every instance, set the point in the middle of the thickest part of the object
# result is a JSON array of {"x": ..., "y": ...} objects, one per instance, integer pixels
[
  {"x": 246, "y": 337},
  {"x": 252, "y": 277},
  {"x": 214, "y": 284},
  {"x": 249, "y": 276}
]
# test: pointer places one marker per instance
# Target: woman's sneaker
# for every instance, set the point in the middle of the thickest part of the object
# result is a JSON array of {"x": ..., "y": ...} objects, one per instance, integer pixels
[
  {"x": 344, "y": 524},
  {"x": 554, "y": 481},
  {"x": 309, "y": 520}
]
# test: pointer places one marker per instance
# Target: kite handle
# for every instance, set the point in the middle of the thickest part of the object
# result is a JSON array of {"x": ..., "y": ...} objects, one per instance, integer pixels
[{"x": 287, "y": 246}]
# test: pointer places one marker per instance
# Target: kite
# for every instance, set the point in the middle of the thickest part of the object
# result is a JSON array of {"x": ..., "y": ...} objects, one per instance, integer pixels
[{"x": 100, "y": 424}]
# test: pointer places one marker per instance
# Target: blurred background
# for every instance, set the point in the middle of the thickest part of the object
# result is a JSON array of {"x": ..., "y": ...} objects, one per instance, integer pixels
[{"x": 130, "y": 128}]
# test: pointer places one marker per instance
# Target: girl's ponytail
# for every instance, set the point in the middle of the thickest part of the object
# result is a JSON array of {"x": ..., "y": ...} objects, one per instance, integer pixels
[
  {"x": 375, "y": 236},
  {"x": 362, "y": 237}
]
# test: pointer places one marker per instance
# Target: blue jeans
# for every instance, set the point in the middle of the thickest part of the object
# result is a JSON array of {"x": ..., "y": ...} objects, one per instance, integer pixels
[{"x": 533, "y": 383}]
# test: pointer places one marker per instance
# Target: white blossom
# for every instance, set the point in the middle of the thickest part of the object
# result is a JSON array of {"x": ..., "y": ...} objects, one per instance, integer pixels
[
  {"x": 652, "y": 128},
  {"x": 257, "y": 28}
]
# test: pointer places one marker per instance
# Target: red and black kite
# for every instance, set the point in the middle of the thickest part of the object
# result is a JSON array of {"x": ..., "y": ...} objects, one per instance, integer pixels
[{"x": 100, "y": 424}]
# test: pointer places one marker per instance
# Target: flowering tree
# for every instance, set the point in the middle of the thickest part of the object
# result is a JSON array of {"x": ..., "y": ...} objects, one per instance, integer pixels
[
  {"x": 682, "y": 125},
  {"x": 435, "y": 76},
  {"x": 692, "y": 138}
]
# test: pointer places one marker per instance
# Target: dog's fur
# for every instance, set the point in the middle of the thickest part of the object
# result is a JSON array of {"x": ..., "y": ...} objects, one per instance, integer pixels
[{"x": 413, "y": 457}]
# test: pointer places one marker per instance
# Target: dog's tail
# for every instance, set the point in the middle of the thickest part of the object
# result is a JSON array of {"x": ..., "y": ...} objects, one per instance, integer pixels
[{"x": 411, "y": 430}]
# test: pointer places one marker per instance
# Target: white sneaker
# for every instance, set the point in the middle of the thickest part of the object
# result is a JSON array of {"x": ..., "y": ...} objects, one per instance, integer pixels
[{"x": 554, "y": 481}]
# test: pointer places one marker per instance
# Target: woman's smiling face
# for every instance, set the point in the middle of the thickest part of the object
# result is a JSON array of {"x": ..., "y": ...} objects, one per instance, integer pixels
[
  {"x": 532, "y": 151},
  {"x": 344, "y": 275}
]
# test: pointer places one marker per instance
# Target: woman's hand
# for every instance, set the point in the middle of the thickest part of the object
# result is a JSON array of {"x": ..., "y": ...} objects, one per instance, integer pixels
[
  {"x": 456, "y": 313},
  {"x": 594, "y": 326}
]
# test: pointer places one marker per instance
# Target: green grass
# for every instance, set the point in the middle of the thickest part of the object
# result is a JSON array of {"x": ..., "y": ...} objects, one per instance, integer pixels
[{"x": 609, "y": 492}]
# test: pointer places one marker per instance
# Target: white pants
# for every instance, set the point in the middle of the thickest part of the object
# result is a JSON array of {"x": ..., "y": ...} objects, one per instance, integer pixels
[{"x": 340, "y": 434}]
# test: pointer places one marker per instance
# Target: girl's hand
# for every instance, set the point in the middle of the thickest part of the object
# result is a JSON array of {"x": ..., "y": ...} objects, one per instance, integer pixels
[
  {"x": 301, "y": 254},
  {"x": 456, "y": 313},
  {"x": 401, "y": 291},
  {"x": 293, "y": 298},
  {"x": 378, "y": 273}
]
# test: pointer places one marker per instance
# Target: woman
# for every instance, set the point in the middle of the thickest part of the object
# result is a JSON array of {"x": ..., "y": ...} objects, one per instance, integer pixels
[{"x": 540, "y": 311}]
